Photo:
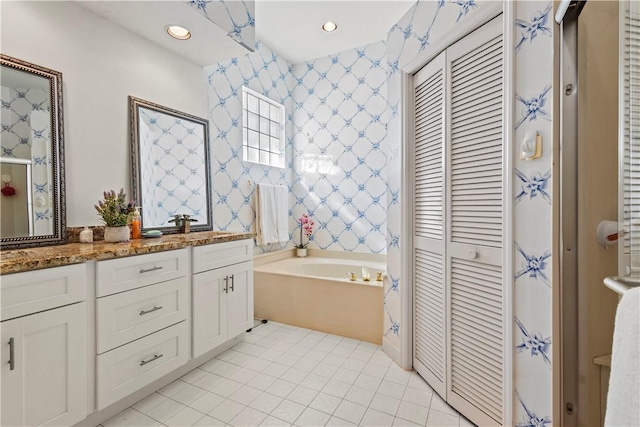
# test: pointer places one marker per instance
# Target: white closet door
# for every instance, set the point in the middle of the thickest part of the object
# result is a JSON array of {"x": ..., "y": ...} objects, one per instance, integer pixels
[
  {"x": 429, "y": 223},
  {"x": 630, "y": 175},
  {"x": 474, "y": 234}
]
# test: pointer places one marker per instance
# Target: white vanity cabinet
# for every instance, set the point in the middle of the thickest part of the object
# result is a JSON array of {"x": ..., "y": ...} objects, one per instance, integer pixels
[
  {"x": 222, "y": 296},
  {"x": 44, "y": 353},
  {"x": 141, "y": 321}
]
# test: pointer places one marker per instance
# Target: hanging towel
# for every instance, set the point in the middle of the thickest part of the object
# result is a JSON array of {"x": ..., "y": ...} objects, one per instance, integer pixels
[
  {"x": 282, "y": 213},
  {"x": 271, "y": 214},
  {"x": 623, "y": 400}
]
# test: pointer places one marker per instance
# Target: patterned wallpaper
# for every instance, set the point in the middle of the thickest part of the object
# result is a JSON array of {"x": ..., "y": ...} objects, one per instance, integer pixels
[
  {"x": 237, "y": 17},
  {"x": 335, "y": 129},
  {"x": 234, "y": 181},
  {"x": 339, "y": 148},
  {"x": 26, "y": 134},
  {"x": 421, "y": 27}
]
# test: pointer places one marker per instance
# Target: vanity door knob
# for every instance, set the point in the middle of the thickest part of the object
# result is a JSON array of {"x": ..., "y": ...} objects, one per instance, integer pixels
[{"x": 226, "y": 285}]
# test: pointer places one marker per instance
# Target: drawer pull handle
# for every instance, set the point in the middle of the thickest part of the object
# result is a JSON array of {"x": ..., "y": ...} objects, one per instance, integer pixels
[
  {"x": 151, "y": 310},
  {"x": 232, "y": 283},
  {"x": 155, "y": 357},
  {"x": 149, "y": 270},
  {"x": 12, "y": 359},
  {"x": 226, "y": 285}
]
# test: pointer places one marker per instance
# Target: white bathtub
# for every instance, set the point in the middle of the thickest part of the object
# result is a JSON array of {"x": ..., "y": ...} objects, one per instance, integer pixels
[
  {"x": 325, "y": 268},
  {"x": 316, "y": 293}
]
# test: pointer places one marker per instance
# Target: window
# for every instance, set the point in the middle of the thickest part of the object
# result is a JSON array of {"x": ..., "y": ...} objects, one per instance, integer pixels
[{"x": 262, "y": 130}]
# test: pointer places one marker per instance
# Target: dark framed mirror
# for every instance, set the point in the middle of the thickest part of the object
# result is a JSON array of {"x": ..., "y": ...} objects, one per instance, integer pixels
[
  {"x": 32, "y": 197},
  {"x": 170, "y": 170}
]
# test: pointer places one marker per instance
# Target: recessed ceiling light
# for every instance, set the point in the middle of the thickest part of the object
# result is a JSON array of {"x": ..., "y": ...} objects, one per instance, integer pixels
[
  {"x": 329, "y": 26},
  {"x": 178, "y": 32}
]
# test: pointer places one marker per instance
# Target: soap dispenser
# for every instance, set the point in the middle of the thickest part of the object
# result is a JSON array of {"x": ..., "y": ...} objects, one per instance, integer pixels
[{"x": 136, "y": 224}]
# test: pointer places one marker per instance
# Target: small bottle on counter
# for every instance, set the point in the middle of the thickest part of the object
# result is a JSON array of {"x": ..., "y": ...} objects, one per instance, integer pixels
[
  {"x": 86, "y": 235},
  {"x": 136, "y": 224}
]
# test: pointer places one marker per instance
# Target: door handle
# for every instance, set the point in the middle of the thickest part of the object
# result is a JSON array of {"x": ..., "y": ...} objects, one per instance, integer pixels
[
  {"x": 151, "y": 310},
  {"x": 155, "y": 357},
  {"x": 12, "y": 358},
  {"x": 149, "y": 270},
  {"x": 226, "y": 285},
  {"x": 232, "y": 283}
]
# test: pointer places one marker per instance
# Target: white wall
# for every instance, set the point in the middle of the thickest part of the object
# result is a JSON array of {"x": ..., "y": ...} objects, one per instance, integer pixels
[{"x": 101, "y": 64}]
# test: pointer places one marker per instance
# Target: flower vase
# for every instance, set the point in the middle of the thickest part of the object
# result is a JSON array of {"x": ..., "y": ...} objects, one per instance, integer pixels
[
  {"x": 301, "y": 252},
  {"x": 116, "y": 234}
]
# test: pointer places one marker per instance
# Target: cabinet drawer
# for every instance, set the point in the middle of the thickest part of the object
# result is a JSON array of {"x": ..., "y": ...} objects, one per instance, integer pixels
[
  {"x": 221, "y": 254},
  {"x": 128, "y": 368},
  {"x": 127, "y": 316},
  {"x": 124, "y": 274},
  {"x": 34, "y": 291}
]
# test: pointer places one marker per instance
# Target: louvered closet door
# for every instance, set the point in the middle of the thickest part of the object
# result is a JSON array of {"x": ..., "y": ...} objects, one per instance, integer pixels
[
  {"x": 630, "y": 209},
  {"x": 474, "y": 235},
  {"x": 428, "y": 240}
]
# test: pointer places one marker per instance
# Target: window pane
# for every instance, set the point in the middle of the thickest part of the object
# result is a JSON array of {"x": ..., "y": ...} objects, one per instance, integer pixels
[
  {"x": 253, "y": 121},
  {"x": 245, "y": 113},
  {"x": 264, "y": 125},
  {"x": 253, "y": 139},
  {"x": 244, "y": 154},
  {"x": 264, "y": 157},
  {"x": 254, "y": 155},
  {"x": 264, "y": 108},
  {"x": 275, "y": 145},
  {"x": 252, "y": 103},
  {"x": 275, "y": 159},
  {"x": 275, "y": 129},
  {"x": 275, "y": 113},
  {"x": 264, "y": 142}
]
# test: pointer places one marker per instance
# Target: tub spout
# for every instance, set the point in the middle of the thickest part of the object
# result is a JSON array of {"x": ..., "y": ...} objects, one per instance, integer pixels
[{"x": 366, "y": 275}]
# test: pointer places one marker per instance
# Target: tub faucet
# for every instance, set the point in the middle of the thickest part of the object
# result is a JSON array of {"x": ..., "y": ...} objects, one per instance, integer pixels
[
  {"x": 183, "y": 221},
  {"x": 353, "y": 277},
  {"x": 378, "y": 277}
]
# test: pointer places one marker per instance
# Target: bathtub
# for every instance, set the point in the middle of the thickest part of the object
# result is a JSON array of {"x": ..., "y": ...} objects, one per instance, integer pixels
[{"x": 316, "y": 293}]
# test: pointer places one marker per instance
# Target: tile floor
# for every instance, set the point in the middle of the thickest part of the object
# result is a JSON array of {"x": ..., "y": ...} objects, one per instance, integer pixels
[{"x": 283, "y": 375}]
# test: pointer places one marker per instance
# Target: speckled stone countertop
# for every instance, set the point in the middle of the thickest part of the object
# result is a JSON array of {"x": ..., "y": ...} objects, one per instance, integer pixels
[{"x": 20, "y": 260}]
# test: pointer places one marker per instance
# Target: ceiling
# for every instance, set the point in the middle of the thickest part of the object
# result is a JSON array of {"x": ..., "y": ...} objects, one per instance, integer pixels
[
  {"x": 208, "y": 43},
  {"x": 293, "y": 28}
]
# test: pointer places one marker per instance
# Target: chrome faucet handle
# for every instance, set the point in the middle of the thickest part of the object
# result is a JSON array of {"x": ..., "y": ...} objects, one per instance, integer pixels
[{"x": 177, "y": 219}]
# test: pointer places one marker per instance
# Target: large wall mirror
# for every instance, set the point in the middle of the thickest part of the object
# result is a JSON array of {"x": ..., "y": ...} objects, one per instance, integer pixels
[
  {"x": 170, "y": 166},
  {"x": 32, "y": 198}
]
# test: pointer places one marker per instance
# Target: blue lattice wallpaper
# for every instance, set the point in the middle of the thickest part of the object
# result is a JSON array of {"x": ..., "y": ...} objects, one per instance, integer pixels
[
  {"x": 422, "y": 26},
  {"x": 339, "y": 148},
  {"x": 26, "y": 134},
  {"x": 234, "y": 181},
  {"x": 335, "y": 128},
  {"x": 237, "y": 17}
]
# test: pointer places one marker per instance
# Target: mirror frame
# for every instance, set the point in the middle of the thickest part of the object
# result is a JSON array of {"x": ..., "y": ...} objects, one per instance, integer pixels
[
  {"x": 58, "y": 207},
  {"x": 136, "y": 182}
]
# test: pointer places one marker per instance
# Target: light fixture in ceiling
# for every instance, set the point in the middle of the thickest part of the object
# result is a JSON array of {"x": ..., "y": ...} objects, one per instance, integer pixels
[
  {"x": 329, "y": 26},
  {"x": 178, "y": 32}
]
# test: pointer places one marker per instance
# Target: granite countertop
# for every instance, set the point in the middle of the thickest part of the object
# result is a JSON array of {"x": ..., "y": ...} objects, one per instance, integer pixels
[{"x": 20, "y": 260}]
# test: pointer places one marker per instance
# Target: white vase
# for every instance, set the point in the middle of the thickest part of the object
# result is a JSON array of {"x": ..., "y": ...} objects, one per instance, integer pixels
[
  {"x": 116, "y": 234},
  {"x": 301, "y": 252}
]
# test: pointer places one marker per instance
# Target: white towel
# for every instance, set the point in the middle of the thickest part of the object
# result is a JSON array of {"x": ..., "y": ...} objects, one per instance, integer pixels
[
  {"x": 282, "y": 213},
  {"x": 623, "y": 400},
  {"x": 271, "y": 214}
]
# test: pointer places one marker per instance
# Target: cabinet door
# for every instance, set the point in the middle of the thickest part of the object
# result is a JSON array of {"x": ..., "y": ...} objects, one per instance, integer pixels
[
  {"x": 239, "y": 299},
  {"x": 209, "y": 310},
  {"x": 48, "y": 382}
]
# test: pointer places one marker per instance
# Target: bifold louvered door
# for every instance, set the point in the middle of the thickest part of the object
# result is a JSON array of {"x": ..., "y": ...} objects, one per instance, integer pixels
[
  {"x": 458, "y": 279},
  {"x": 630, "y": 204},
  {"x": 429, "y": 223},
  {"x": 474, "y": 235}
]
